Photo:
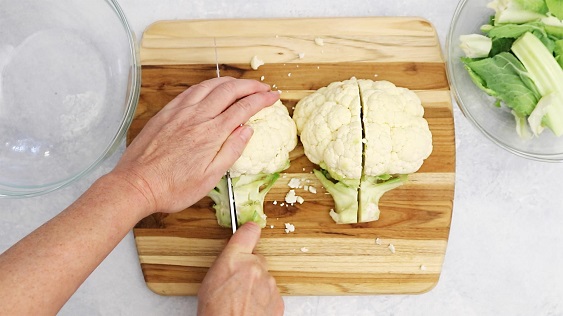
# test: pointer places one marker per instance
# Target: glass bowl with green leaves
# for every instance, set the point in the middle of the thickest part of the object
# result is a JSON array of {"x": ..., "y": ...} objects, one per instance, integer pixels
[{"x": 505, "y": 69}]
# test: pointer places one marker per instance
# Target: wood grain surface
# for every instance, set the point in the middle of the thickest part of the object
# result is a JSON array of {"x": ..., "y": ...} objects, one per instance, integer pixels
[{"x": 175, "y": 251}]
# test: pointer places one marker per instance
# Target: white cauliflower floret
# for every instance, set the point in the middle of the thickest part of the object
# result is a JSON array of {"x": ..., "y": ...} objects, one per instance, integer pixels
[
  {"x": 398, "y": 138},
  {"x": 256, "y": 171},
  {"x": 333, "y": 138},
  {"x": 331, "y": 130},
  {"x": 268, "y": 150}
]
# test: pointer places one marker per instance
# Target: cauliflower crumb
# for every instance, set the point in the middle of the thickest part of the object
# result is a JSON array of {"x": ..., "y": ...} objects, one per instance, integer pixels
[
  {"x": 306, "y": 187},
  {"x": 318, "y": 67},
  {"x": 422, "y": 267},
  {"x": 391, "y": 248},
  {"x": 275, "y": 202},
  {"x": 283, "y": 204},
  {"x": 262, "y": 78},
  {"x": 272, "y": 226},
  {"x": 301, "y": 55},
  {"x": 365, "y": 141},
  {"x": 294, "y": 183},
  {"x": 291, "y": 198},
  {"x": 304, "y": 169},
  {"x": 274, "y": 86},
  {"x": 313, "y": 190},
  {"x": 304, "y": 249},
  {"x": 256, "y": 62},
  {"x": 319, "y": 41},
  {"x": 376, "y": 75},
  {"x": 289, "y": 74},
  {"x": 289, "y": 228},
  {"x": 377, "y": 241}
]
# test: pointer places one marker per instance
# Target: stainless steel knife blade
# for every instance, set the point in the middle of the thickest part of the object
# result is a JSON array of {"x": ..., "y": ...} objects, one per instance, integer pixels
[
  {"x": 232, "y": 205},
  {"x": 216, "y": 57},
  {"x": 230, "y": 189}
]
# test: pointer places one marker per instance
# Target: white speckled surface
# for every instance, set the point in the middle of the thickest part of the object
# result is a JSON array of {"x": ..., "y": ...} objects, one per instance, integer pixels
[{"x": 506, "y": 247}]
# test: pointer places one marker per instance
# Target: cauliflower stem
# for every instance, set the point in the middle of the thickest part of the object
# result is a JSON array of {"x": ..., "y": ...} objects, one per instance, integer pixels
[
  {"x": 250, "y": 192},
  {"x": 372, "y": 189},
  {"x": 345, "y": 198}
]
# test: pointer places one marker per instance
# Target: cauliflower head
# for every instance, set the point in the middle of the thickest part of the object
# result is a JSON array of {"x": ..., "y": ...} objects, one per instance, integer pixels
[
  {"x": 275, "y": 136},
  {"x": 367, "y": 136}
]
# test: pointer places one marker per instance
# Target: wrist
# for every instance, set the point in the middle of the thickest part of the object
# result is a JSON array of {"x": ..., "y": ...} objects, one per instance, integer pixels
[{"x": 128, "y": 188}]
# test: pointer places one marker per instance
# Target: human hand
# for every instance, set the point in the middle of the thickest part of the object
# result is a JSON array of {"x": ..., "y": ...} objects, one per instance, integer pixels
[
  {"x": 238, "y": 283},
  {"x": 184, "y": 150}
]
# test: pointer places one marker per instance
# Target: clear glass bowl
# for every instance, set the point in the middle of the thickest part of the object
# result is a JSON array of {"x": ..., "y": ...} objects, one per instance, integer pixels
[
  {"x": 69, "y": 86},
  {"x": 497, "y": 124}
]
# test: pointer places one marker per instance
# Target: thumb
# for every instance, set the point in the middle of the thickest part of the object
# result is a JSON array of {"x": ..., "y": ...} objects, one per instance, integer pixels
[{"x": 245, "y": 239}]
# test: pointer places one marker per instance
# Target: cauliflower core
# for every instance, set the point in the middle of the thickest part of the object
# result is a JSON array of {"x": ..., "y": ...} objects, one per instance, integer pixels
[
  {"x": 256, "y": 171},
  {"x": 367, "y": 136}
]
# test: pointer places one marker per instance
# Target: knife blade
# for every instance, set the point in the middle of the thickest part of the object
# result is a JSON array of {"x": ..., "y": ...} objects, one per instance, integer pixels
[{"x": 230, "y": 189}]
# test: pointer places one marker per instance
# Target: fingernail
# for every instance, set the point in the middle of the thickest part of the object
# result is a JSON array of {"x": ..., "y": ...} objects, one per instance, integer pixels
[{"x": 267, "y": 85}]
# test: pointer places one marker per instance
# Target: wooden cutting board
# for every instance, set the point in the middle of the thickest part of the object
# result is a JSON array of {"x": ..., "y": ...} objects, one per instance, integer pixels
[{"x": 175, "y": 251}]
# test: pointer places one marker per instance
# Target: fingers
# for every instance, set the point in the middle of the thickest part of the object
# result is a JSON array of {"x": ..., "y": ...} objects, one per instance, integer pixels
[
  {"x": 228, "y": 93},
  {"x": 198, "y": 92},
  {"x": 280, "y": 305},
  {"x": 245, "y": 239},
  {"x": 244, "y": 109},
  {"x": 231, "y": 150}
]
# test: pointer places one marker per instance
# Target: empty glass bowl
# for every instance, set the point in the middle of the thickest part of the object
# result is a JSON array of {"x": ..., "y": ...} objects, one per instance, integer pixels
[
  {"x": 497, "y": 124},
  {"x": 69, "y": 86}
]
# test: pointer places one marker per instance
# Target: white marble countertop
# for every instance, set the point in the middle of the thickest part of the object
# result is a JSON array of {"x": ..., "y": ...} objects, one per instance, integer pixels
[{"x": 505, "y": 252}]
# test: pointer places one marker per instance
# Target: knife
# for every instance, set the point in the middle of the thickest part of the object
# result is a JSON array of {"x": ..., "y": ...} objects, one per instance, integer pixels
[{"x": 230, "y": 190}]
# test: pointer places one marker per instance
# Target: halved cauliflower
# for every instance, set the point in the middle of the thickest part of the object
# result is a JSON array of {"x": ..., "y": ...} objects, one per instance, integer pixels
[
  {"x": 397, "y": 141},
  {"x": 366, "y": 136},
  {"x": 256, "y": 171},
  {"x": 329, "y": 122}
]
